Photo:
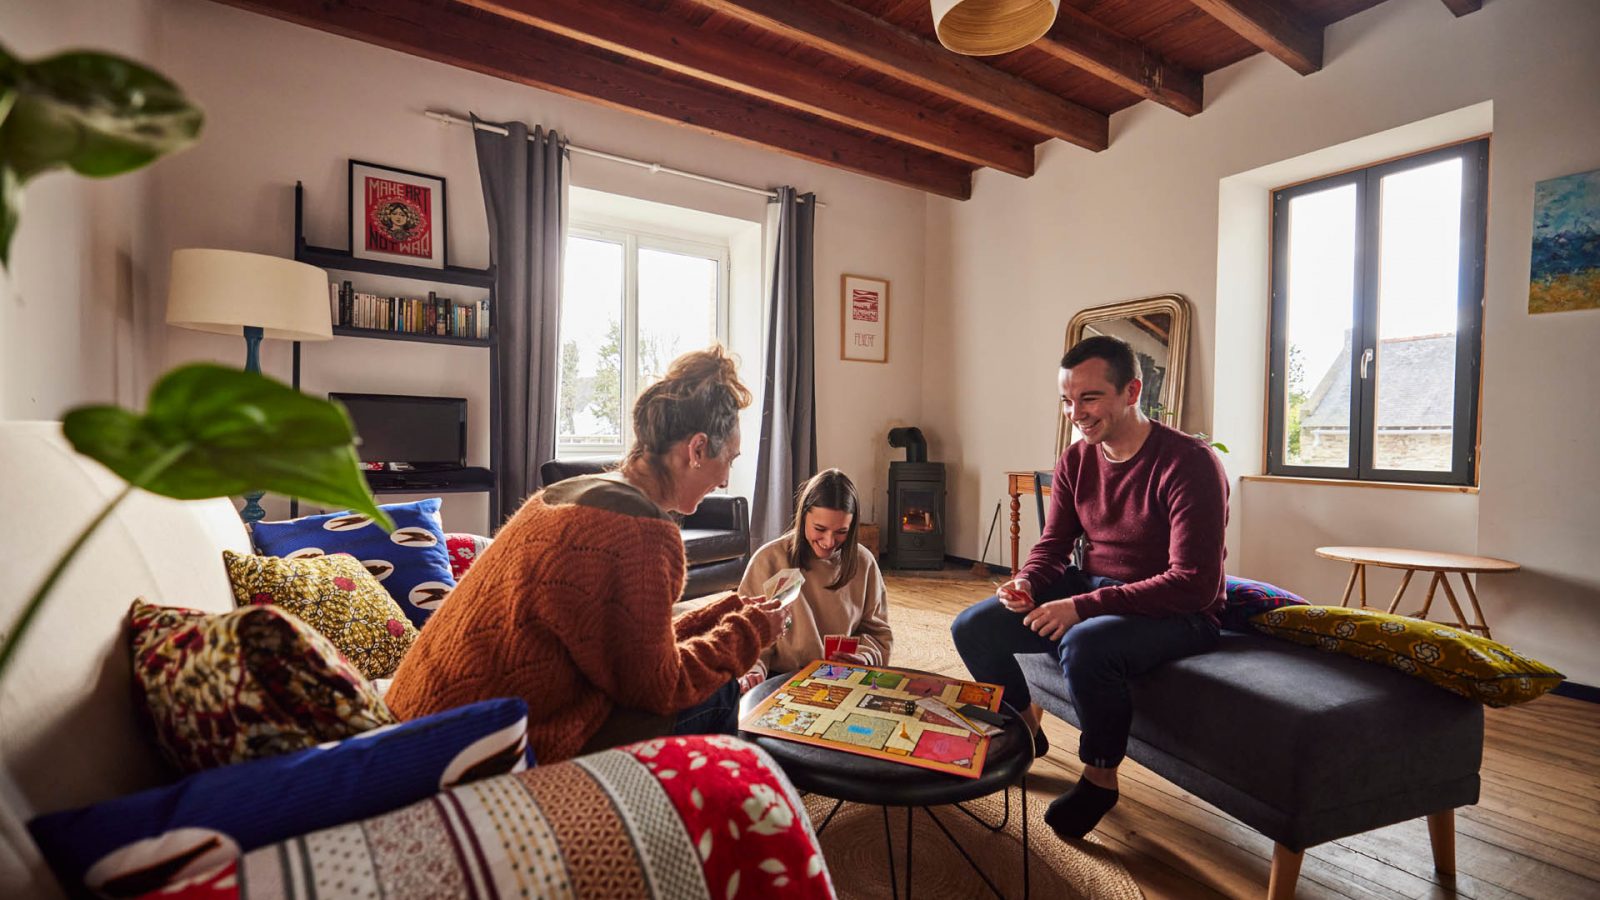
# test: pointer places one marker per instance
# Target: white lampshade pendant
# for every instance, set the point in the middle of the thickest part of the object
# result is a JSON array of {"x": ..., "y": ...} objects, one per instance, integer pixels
[{"x": 990, "y": 27}]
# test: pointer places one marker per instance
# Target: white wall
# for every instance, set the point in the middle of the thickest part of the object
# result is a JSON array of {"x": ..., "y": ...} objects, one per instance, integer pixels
[
  {"x": 287, "y": 103},
  {"x": 1007, "y": 269},
  {"x": 66, "y": 302}
]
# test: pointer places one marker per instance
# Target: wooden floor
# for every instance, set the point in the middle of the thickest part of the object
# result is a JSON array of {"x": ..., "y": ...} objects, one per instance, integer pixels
[{"x": 1534, "y": 833}]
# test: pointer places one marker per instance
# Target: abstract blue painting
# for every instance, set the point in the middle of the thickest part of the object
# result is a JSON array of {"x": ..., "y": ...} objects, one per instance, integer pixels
[{"x": 1565, "y": 274}]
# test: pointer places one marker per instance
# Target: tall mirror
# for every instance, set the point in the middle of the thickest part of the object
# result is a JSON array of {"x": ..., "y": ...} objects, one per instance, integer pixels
[{"x": 1157, "y": 328}]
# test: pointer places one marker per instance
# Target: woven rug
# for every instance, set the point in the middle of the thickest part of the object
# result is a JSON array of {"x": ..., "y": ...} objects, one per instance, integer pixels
[{"x": 854, "y": 841}]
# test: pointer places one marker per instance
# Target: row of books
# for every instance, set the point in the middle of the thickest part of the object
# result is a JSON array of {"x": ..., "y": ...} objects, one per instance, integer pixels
[{"x": 432, "y": 314}]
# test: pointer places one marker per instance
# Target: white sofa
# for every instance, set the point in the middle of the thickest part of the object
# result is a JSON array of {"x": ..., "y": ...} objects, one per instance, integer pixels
[
  {"x": 68, "y": 731},
  {"x": 68, "y": 734}
]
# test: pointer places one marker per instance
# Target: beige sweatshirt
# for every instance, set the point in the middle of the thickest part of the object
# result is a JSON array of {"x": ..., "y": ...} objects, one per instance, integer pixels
[{"x": 858, "y": 608}]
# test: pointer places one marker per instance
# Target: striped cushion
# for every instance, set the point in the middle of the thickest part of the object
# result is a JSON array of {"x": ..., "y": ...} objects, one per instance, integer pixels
[{"x": 703, "y": 816}]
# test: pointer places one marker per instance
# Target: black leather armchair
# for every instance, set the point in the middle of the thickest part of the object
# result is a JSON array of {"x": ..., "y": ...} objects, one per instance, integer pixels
[{"x": 716, "y": 538}]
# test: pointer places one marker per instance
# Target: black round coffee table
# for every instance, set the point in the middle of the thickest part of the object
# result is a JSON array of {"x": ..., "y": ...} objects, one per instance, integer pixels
[{"x": 851, "y": 778}]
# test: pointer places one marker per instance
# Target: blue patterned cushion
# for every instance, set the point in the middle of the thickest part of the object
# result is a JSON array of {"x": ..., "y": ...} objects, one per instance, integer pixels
[
  {"x": 135, "y": 844},
  {"x": 1247, "y": 598},
  {"x": 411, "y": 563}
]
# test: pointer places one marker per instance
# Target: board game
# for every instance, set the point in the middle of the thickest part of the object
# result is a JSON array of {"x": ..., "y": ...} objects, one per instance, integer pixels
[{"x": 874, "y": 712}]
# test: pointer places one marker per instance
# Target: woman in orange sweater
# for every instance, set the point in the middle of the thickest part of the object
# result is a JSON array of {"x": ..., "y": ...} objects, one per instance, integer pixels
[{"x": 571, "y": 607}]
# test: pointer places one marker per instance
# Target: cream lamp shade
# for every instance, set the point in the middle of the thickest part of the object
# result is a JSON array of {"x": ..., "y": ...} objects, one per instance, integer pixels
[
  {"x": 227, "y": 291},
  {"x": 990, "y": 27}
]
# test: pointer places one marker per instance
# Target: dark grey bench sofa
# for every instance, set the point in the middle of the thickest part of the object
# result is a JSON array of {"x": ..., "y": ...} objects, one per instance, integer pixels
[{"x": 1302, "y": 745}]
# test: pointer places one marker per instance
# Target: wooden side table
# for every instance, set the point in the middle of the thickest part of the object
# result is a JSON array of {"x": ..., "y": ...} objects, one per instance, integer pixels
[
  {"x": 1017, "y": 484},
  {"x": 1440, "y": 564}
]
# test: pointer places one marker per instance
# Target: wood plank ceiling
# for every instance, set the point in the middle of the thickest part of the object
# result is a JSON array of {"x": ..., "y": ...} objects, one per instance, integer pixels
[{"x": 862, "y": 85}]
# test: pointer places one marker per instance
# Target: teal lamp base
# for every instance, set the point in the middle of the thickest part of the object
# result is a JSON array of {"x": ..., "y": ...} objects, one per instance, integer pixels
[{"x": 252, "y": 512}]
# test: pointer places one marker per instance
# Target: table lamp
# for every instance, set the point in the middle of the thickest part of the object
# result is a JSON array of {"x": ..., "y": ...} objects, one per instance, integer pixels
[{"x": 249, "y": 294}]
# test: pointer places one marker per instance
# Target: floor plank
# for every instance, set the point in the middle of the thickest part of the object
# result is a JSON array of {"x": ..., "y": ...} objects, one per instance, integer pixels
[{"x": 1534, "y": 833}]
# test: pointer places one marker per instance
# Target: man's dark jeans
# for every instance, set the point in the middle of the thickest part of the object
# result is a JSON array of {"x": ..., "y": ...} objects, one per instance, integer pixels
[
  {"x": 1098, "y": 656},
  {"x": 717, "y": 714}
]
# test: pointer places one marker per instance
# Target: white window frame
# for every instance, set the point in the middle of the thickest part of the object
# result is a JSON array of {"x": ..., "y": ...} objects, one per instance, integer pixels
[{"x": 633, "y": 240}]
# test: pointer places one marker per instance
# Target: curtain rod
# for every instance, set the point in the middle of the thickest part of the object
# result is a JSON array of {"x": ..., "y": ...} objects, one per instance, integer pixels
[{"x": 445, "y": 118}]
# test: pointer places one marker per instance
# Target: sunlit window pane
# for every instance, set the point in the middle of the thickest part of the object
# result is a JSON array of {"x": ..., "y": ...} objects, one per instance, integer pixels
[
  {"x": 1319, "y": 317},
  {"x": 677, "y": 308},
  {"x": 589, "y": 404},
  {"x": 1418, "y": 287}
]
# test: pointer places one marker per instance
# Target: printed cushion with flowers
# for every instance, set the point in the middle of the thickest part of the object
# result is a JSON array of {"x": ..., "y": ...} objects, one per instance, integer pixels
[
  {"x": 464, "y": 551},
  {"x": 1458, "y": 661},
  {"x": 692, "y": 816},
  {"x": 251, "y": 683},
  {"x": 337, "y": 596}
]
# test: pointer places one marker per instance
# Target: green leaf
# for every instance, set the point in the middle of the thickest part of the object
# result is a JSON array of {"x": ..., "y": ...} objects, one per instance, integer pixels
[
  {"x": 10, "y": 211},
  {"x": 233, "y": 432},
  {"x": 1220, "y": 446},
  {"x": 100, "y": 114}
]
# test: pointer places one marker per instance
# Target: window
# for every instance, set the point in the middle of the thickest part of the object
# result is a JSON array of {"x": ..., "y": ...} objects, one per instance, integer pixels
[
  {"x": 630, "y": 303},
  {"x": 1377, "y": 290}
]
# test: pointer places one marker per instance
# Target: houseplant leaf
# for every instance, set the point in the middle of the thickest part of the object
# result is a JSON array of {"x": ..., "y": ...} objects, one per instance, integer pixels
[
  {"x": 228, "y": 432},
  {"x": 100, "y": 115}
]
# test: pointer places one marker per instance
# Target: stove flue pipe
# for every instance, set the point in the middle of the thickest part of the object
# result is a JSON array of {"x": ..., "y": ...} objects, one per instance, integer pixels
[{"x": 912, "y": 440}]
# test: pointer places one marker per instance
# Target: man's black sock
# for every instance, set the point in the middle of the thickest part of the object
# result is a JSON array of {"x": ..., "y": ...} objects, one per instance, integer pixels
[
  {"x": 1041, "y": 744},
  {"x": 1075, "y": 813}
]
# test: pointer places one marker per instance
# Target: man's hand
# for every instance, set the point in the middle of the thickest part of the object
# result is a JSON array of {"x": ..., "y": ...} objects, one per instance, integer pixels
[
  {"x": 854, "y": 659},
  {"x": 750, "y": 679},
  {"x": 1053, "y": 619},
  {"x": 1016, "y": 595}
]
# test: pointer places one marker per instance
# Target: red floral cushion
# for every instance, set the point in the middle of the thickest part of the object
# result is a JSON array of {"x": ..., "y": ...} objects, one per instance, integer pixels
[
  {"x": 254, "y": 682},
  {"x": 463, "y": 549}
]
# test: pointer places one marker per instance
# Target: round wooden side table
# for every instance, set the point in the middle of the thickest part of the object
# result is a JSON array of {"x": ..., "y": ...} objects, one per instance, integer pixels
[{"x": 1412, "y": 561}]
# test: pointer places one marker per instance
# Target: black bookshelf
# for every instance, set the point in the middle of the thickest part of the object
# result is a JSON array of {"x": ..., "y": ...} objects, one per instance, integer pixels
[
  {"x": 382, "y": 335},
  {"x": 482, "y": 480}
]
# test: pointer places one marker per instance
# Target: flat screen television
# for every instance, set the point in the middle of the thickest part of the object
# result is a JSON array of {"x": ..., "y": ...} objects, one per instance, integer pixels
[{"x": 404, "y": 433}]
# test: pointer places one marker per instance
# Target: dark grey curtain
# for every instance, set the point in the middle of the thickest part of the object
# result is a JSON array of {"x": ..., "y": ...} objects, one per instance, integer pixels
[
  {"x": 525, "y": 192},
  {"x": 787, "y": 453}
]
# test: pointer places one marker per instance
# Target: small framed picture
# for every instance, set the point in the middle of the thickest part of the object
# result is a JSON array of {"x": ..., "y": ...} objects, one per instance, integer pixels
[
  {"x": 396, "y": 216},
  {"x": 864, "y": 330}
]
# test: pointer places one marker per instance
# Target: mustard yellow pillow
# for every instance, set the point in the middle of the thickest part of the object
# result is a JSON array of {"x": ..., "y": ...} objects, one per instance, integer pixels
[
  {"x": 337, "y": 596},
  {"x": 1462, "y": 663}
]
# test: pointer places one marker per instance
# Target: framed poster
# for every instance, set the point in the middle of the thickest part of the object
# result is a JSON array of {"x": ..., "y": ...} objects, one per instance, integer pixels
[
  {"x": 865, "y": 329},
  {"x": 396, "y": 216}
]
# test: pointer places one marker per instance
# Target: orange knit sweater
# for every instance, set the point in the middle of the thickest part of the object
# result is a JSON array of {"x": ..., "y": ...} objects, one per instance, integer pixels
[{"x": 570, "y": 609}]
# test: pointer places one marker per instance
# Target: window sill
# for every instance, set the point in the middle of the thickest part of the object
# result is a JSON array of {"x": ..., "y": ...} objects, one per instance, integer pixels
[{"x": 1393, "y": 485}]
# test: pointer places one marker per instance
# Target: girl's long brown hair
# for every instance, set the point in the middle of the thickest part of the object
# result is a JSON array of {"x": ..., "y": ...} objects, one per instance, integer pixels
[{"x": 829, "y": 489}]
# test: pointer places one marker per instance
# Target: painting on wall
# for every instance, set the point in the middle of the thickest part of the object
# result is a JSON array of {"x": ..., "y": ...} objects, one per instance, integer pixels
[
  {"x": 1565, "y": 274},
  {"x": 865, "y": 328},
  {"x": 396, "y": 215}
]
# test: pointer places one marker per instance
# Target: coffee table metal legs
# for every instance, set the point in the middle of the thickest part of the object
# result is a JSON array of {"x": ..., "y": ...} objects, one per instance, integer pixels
[{"x": 888, "y": 841}]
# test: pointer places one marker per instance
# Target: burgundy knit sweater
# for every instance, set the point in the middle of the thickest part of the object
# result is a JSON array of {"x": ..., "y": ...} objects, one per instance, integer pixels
[
  {"x": 571, "y": 609},
  {"x": 1154, "y": 521}
]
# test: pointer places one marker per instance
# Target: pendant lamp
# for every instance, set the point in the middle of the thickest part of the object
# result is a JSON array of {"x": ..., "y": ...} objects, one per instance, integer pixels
[{"x": 990, "y": 27}]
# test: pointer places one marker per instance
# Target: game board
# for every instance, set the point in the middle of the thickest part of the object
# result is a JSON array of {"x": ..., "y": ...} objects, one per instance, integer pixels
[{"x": 873, "y": 712}]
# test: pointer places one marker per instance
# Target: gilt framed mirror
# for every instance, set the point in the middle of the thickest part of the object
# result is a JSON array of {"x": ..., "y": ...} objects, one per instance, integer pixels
[{"x": 1157, "y": 329}]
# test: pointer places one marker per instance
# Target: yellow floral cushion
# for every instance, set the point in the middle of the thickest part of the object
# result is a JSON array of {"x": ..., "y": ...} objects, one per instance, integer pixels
[
  {"x": 1462, "y": 663},
  {"x": 337, "y": 596}
]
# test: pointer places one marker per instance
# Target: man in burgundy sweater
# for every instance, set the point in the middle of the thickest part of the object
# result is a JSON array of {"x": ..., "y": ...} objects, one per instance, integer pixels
[{"x": 1152, "y": 503}]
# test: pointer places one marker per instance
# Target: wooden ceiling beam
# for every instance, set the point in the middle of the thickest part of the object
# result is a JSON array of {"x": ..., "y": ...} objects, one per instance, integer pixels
[
  {"x": 469, "y": 40},
  {"x": 659, "y": 40},
  {"x": 1079, "y": 40},
  {"x": 841, "y": 30},
  {"x": 1462, "y": 7},
  {"x": 1273, "y": 27}
]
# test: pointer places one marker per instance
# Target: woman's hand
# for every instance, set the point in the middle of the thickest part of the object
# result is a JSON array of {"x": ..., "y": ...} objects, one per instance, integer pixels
[
  {"x": 780, "y": 616},
  {"x": 1016, "y": 595},
  {"x": 854, "y": 659},
  {"x": 752, "y": 678}
]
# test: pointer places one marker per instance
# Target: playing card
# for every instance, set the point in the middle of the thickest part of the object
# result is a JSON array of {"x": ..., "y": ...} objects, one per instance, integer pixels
[
  {"x": 839, "y": 643},
  {"x": 784, "y": 587}
]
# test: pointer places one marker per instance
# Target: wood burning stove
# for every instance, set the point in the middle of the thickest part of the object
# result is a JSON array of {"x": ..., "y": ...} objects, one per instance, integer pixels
[{"x": 915, "y": 526}]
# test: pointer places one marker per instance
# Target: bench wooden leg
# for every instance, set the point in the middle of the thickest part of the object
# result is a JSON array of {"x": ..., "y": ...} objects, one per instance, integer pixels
[
  {"x": 1286, "y": 871},
  {"x": 1442, "y": 832}
]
